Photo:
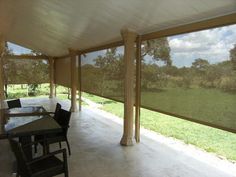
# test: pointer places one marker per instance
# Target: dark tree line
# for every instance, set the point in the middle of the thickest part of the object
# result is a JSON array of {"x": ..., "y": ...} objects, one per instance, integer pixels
[{"x": 201, "y": 74}]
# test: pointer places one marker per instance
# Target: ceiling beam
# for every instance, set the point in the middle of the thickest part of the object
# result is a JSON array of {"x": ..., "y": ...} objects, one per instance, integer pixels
[
  {"x": 37, "y": 57},
  {"x": 197, "y": 26},
  {"x": 62, "y": 57},
  {"x": 93, "y": 49},
  {"x": 101, "y": 47}
]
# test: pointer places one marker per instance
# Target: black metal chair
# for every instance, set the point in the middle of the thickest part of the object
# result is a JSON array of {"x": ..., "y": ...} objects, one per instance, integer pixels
[
  {"x": 55, "y": 116},
  {"x": 14, "y": 103},
  {"x": 44, "y": 166},
  {"x": 58, "y": 107},
  {"x": 63, "y": 119}
]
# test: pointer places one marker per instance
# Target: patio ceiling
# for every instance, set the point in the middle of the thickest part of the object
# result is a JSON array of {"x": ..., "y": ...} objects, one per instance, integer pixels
[{"x": 51, "y": 27}]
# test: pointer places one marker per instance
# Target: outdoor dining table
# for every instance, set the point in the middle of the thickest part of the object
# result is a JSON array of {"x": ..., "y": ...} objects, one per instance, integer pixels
[{"x": 25, "y": 122}]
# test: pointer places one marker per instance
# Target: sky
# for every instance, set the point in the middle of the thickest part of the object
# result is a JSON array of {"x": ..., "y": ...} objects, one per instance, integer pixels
[
  {"x": 212, "y": 45},
  {"x": 18, "y": 49}
]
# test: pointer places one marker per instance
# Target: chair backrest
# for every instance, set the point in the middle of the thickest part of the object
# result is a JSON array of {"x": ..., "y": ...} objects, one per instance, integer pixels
[
  {"x": 14, "y": 103},
  {"x": 22, "y": 167},
  {"x": 64, "y": 119},
  {"x": 58, "y": 107}
]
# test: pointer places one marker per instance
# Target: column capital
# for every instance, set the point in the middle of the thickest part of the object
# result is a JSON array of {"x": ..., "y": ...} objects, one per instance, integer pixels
[
  {"x": 51, "y": 60},
  {"x": 72, "y": 51},
  {"x": 128, "y": 35}
]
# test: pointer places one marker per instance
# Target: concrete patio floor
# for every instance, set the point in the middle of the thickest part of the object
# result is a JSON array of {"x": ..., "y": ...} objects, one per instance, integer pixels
[{"x": 94, "y": 138}]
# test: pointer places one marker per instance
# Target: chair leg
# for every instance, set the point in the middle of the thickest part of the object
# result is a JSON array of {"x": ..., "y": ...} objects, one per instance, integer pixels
[
  {"x": 68, "y": 146},
  {"x": 35, "y": 148},
  {"x": 46, "y": 149},
  {"x": 60, "y": 145},
  {"x": 65, "y": 165},
  {"x": 66, "y": 171},
  {"x": 17, "y": 172},
  {"x": 66, "y": 174}
]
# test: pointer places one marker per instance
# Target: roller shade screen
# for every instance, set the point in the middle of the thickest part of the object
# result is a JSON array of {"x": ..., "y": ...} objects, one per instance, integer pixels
[
  {"x": 103, "y": 72},
  {"x": 26, "y": 71},
  {"x": 192, "y": 76}
]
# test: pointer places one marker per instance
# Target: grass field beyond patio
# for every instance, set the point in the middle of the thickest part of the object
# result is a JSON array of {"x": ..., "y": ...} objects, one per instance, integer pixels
[
  {"x": 210, "y": 139},
  {"x": 208, "y": 105}
]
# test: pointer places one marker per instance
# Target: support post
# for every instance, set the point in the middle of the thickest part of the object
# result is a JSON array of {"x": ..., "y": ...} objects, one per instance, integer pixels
[
  {"x": 80, "y": 83},
  {"x": 138, "y": 89},
  {"x": 55, "y": 91},
  {"x": 2, "y": 49},
  {"x": 55, "y": 85},
  {"x": 129, "y": 42},
  {"x": 52, "y": 80},
  {"x": 73, "y": 80}
]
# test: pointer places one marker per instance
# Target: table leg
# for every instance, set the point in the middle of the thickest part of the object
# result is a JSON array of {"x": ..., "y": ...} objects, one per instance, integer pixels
[
  {"x": 45, "y": 145},
  {"x": 24, "y": 140}
]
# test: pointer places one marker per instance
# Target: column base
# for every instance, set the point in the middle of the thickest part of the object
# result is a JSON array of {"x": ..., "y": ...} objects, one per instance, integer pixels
[
  {"x": 73, "y": 109},
  {"x": 137, "y": 138},
  {"x": 51, "y": 96},
  {"x": 126, "y": 141}
]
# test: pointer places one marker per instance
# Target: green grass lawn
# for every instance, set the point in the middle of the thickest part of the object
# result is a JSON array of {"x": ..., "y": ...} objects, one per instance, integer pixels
[
  {"x": 209, "y": 105},
  {"x": 20, "y": 91},
  {"x": 210, "y": 139}
]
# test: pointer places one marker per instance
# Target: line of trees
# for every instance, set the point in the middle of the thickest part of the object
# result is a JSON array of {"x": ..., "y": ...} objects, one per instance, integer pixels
[
  {"x": 202, "y": 74},
  {"x": 104, "y": 76}
]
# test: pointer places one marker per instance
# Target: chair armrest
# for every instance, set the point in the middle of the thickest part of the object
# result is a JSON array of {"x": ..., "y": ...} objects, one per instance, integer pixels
[
  {"x": 34, "y": 143},
  {"x": 63, "y": 151},
  {"x": 50, "y": 112}
]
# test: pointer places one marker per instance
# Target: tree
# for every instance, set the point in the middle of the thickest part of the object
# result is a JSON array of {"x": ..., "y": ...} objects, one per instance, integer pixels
[
  {"x": 158, "y": 49},
  {"x": 200, "y": 64},
  {"x": 109, "y": 71},
  {"x": 233, "y": 56}
]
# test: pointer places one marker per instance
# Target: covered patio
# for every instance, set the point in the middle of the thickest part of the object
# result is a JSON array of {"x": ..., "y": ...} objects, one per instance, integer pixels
[
  {"x": 94, "y": 137},
  {"x": 121, "y": 50}
]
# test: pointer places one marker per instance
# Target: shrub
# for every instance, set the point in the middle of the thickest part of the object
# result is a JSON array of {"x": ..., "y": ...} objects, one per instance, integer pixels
[
  {"x": 32, "y": 89},
  {"x": 228, "y": 84}
]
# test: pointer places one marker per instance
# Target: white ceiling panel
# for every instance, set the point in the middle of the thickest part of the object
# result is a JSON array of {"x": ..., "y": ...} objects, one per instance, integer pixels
[{"x": 53, "y": 26}]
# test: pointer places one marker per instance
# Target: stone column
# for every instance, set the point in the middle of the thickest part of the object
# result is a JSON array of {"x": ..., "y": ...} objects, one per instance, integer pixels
[
  {"x": 80, "y": 82},
  {"x": 129, "y": 38},
  {"x": 52, "y": 80},
  {"x": 2, "y": 48},
  {"x": 138, "y": 89},
  {"x": 74, "y": 80}
]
